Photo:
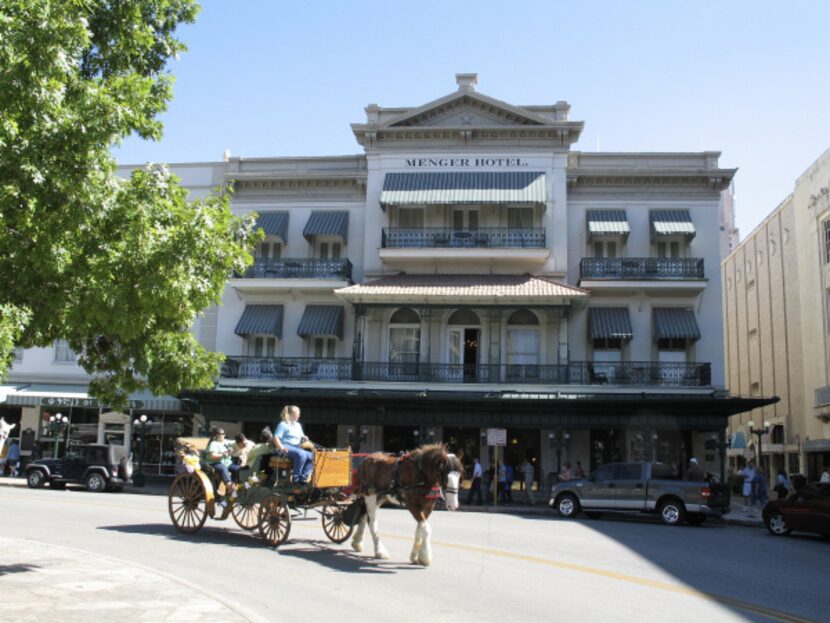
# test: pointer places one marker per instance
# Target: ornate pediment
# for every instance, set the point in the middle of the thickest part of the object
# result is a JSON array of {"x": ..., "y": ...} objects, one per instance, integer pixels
[{"x": 466, "y": 110}]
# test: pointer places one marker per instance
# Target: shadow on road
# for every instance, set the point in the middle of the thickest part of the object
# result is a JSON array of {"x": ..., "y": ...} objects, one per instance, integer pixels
[
  {"x": 17, "y": 568},
  {"x": 321, "y": 553},
  {"x": 216, "y": 535}
]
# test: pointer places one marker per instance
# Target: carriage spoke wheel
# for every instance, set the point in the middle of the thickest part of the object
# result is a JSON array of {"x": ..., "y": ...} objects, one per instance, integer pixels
[
  {"x": 246, "y": 515},
  {"x": 187, "y": 503},
  {"x": 274, "y": 520},
  {"x": 333, "y": 525}
]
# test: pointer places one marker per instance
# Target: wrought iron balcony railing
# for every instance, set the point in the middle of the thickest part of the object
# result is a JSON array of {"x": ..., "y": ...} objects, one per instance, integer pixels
[
  {"x": 639, "y": 373},
  {"x": 641, "y": 268},
  {"x": 484, "y": 238},
  {"x": 300, "y": 268}
]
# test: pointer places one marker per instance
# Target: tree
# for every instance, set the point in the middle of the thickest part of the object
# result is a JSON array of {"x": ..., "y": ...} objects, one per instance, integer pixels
[{"x": 119, "y": 268}]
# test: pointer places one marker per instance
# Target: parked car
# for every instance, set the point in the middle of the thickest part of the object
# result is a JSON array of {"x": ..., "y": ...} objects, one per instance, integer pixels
[
  {"x": 641, "y": 488},
  {"x": 99, "y": 467},
  {"x": 806, "y": 510}
]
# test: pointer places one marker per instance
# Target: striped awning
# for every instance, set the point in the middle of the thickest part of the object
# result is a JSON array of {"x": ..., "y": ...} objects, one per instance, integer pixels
[
  {"x": 322, "y": 320},
  {"x": 672, "y": 223},
  {"x": 675, "y": 323},
  {"x": 274, "y": 224},
  {"x": 448, "y": 187},
  {"x": 260, "y": 320},
  {"x": 607, "y": 223},
  {"x": 609, "y": 323},
  {"x": 327, "y": 223}
]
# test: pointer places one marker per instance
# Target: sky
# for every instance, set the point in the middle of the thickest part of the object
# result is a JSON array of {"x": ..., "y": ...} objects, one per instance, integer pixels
[{"x": 751, "y": 79}]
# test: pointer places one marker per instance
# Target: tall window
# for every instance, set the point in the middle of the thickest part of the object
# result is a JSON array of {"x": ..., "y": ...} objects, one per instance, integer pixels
[
  {"x": 465, "y": 218},
  {"x": 605, "y": 248},
  {"x": 669, "y": 248},
  {"x": 519, "y": 218},
  {"x": 328, "y": 250},
  {"x": 324, "y": 347},
  {"x": 404, "y": 341},
  {"x": 64, "y": 354},
  {"x": 269, "y": 249},
  {"x": 826, "y": 226},
  {"x": 523, "y": 338},
  {"x": 262, "y": 345},
  {"x": 411, "y": 218}
]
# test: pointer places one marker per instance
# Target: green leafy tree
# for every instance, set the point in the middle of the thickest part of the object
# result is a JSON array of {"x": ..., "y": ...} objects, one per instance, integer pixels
[{"x": 120, "y": 268}]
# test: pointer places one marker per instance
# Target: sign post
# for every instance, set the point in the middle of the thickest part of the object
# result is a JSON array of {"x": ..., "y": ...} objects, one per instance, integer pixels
[{"x": 496, "y": 437}]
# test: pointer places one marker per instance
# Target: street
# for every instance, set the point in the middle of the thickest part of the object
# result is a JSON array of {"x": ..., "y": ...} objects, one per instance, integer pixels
[{"x": 486, "y": 566}]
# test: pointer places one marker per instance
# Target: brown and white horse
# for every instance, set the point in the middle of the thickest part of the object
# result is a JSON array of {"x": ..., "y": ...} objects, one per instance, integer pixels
[{"x": 416, "y": 479}]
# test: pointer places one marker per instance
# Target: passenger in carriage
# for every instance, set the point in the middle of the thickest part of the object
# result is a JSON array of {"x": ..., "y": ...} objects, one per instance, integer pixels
[
  {"x": 239, "y": 454},
  {"x": 218, "y": 455},
  {"x": 289, "y": 438}
]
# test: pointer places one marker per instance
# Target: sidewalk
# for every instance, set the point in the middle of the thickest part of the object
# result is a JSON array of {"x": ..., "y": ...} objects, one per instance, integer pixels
[
  {"x": 43, "y": 582},
  {"x": 161, "y": 486}
]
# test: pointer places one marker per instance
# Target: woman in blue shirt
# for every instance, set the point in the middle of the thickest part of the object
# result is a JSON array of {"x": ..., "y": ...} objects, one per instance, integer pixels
[{"x": 289, "y": 438}]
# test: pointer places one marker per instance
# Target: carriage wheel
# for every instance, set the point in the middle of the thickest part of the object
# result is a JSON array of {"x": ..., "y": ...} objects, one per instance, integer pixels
[
  {"x": 246, "y": 514},
  {"x": 274, "y": 520},
  {"x": 187, "y": 503},
  {"x": 333, "y": 525}
]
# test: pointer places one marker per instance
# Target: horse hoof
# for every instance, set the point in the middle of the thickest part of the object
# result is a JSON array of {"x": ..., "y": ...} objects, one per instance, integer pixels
[
  {"x": 382, "y": 555},
  {"x": 425, "y": 562}
]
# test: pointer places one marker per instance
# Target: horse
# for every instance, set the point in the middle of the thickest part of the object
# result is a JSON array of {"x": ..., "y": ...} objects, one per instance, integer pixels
[{"x": 415, "y": 479}]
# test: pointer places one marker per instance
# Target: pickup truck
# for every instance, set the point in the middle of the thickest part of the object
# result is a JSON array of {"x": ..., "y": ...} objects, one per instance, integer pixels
[{"x": 641, "y": 488}]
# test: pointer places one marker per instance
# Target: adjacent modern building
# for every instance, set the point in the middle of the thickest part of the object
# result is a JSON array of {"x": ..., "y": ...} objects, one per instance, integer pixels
[
  {"x": 777, "y": 330},
  {"x": 468, "y": 270}
]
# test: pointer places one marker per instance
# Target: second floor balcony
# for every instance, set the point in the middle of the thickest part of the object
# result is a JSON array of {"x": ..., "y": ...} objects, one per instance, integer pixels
[
  {"x": 641, "y": 268},
  {"x": 482, "y": 238},
  {"x": 630, "y": 373},
  {"x": 339, "y": 269}
]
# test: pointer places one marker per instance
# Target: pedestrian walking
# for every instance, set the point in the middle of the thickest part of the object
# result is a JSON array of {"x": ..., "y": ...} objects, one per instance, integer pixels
[
  {"x": 748, "y": 474},
  {"x": 528, "y": 473},
  {"x": 510, "y": 476},
  {"x": 579, "y": 473},
  {"x": 695, "y": 471},
  {"x": 475, "y": 485},
  {"x": 487, "y": 482},
  {"x": 759, "y": 489},
  {"x": 782, "y": 484},
  {"x": 502, "y": 483},
  {"x": 13, "y": 458}
]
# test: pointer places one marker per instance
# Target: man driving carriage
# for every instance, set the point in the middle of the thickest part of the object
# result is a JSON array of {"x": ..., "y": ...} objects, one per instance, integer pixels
[{"x": 289, "y": 438}]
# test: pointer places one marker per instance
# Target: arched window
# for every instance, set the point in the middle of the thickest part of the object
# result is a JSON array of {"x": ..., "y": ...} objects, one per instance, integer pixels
[
  {"x": 465, "y": 317},
  {"x": 523, "y": 340},
  {"x": 404, "y": 342}
]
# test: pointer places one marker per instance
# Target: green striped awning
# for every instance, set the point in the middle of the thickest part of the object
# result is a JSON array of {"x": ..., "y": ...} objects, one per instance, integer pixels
[
  {"x": 274, "y": 224},
  {"x": 327, "y": 223},
  {"x": 609, "y": 323},
  {"x": 322, "y": 320},
  {"x": 675, "y": 323},
  {"x": 260, "y": 320},
  {"x": 672, "y": 223},
  {"x": 446, "y": 187},
  {"x": 607, "y": 223}
]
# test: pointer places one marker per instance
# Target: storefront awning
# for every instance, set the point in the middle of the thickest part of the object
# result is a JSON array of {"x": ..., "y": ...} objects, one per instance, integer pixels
[
  {"x": 453, "y": 187},
  {"x": 327, "y": 223},
  {"x": 274, "y": 224},
  {"x": 607, "y": 223},
  {"x": 66, "y": 396},
  {"x": 672, "y": 223},
  {"x": 609, "y": 323},
  {"x": 675, "y": 323},
  {"x": 322, "y": 320},
  {"x": 261, "y": 320}
]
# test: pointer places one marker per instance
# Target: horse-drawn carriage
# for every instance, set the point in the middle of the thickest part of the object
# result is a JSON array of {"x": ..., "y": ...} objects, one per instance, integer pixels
[{"x": 265, "y": 497}]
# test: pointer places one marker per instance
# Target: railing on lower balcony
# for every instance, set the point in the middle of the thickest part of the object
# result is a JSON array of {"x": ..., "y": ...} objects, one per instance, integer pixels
[
  {"x": 484, "y": 238},
  {"x": 640, "y": 373},
  {"x": 300, "y": 268},
  {"x": 641, "y": 268}
]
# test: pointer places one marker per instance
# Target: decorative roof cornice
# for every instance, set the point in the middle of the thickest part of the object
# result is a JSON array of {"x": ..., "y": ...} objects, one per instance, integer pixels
[
  {"x": 715, "y": 180},
  {"x": 265, "y": 180},
  {"x": 560, "y": 135}
]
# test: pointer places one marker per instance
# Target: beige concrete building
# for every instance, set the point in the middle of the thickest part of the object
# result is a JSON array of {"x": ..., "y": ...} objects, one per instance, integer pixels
[{"x": 776, "y": 322}]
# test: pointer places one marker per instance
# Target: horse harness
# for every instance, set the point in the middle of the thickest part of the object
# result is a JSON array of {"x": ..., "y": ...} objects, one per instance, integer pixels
[{"x": 420, "y": 488}]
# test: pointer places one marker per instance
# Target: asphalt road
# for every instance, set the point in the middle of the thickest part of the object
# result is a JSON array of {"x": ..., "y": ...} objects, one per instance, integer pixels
[{"x": 486, "y": 567}]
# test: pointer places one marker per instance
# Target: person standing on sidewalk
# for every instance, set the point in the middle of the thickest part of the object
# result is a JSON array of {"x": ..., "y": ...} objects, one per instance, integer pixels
[
  {"x": 13, "y": 458},
  {"x": 508, "y": 485},
  {"x": 528, "y": 473},
  {"x": 782, "y": 484},
  {"x": 475, "y": 485},
  {"x": 759, "y": 489},
  {"x": 825, "y": 475},
  {"x": 748, "y": 474}
]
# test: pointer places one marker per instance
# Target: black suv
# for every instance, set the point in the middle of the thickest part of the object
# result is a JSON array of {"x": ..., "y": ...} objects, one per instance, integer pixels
[{"x": 97, "y": 466}]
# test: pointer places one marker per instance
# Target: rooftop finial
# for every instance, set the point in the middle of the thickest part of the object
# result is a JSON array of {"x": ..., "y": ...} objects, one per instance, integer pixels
[{"x": 466, "y": 82}]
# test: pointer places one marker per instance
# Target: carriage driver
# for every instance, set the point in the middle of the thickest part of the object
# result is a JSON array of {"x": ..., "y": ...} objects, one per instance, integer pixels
[{"x": 290, "y": 438}]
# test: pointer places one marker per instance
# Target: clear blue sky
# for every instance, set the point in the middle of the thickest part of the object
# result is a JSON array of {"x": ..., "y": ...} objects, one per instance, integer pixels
[{"x": 748, "y": 78}]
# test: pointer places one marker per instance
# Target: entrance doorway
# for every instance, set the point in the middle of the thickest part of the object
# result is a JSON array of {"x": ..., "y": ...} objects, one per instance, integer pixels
[
  {"x": 606, "y": 447},
  {"x": 464, "y": 335},
  {"x": 400, "y": 438},
  {"x": 523, "y": 445},
  {"x": 467, "y": 440}
]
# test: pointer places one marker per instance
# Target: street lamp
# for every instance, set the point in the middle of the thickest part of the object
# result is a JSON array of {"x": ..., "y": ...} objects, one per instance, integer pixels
[
  {"x": 430, "y": 435},
  {"x": 141, "y": 424},
  {"x": 558, "y": 441},
  {"x": 722, "y": 444},
  {"x": 57, "y": 424},
  {"x": 357, "y": 436},
  {"x": 759, "y": 432}
]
